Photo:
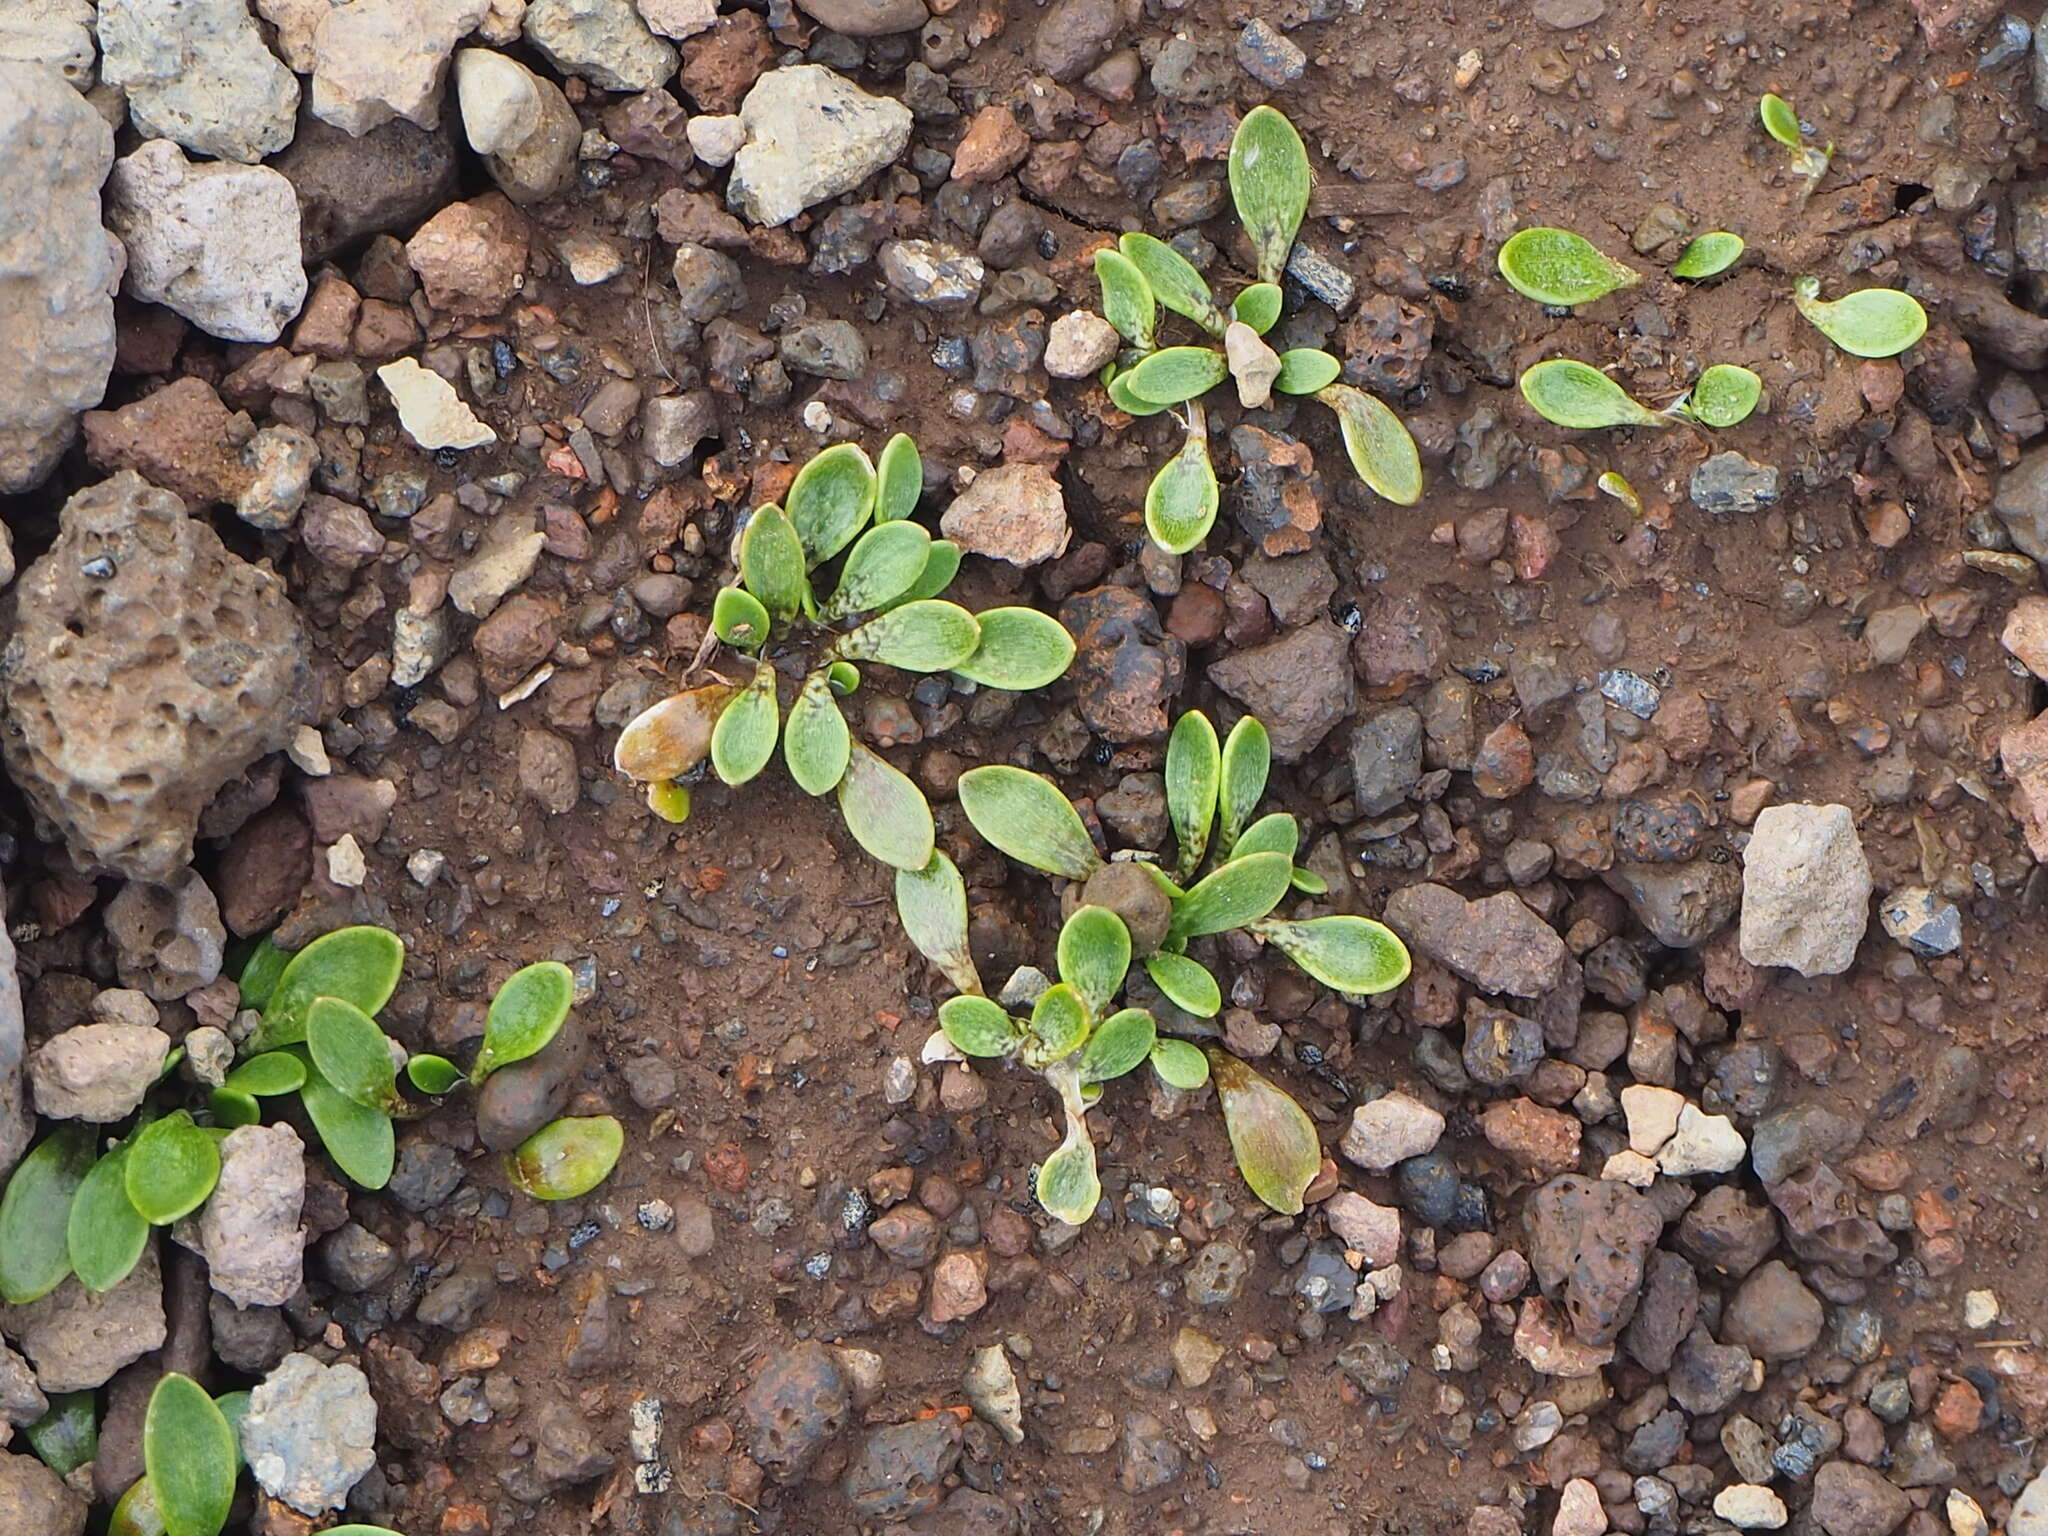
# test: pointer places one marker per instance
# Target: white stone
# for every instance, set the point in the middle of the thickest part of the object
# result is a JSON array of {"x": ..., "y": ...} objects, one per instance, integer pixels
[
  {"x": 1367, "y": 1228},
  {"x": 1750, "y": 1507},
  {"x": 1805, "y": 890},
  {"x": 1079, "y": 344},
  {"x": 54, "y": 32},
  {"x": 1013, "y": 512},
  {"x": 1965, "y": 1515},
  {"x": 373, "y": 60},
  {"x": 308, "y": 752},
  {"x": 310, "y": 1433},
  {"x": 939, "y": 1051},
  {"x": 2029, "y": 1515},
  {"x": 591, "y": 259},
  {"x": 197, "y": 71},
  {"x": 521, "y": 124},
  {"x": 499, "y": 566},
  {"x": 96, "y": 1072},
  {"x": 1980, "y": 1309},
  {"x": 679, "y": 18},
  {"x": 811, "y": 134},
  {"x": 716, "y": 136},
  {"x": 1703, "y": 1144},
  {"x": 1627, "y": 1167},
  {"x": 249, "y": 1229},
  {"x": 1652, "y": 1114},
  {"x": 217, "y": 242},
  {"x": 604, "y": 41},
  {"x": 345, "y": 865},
  {"x": 1389, "y": 1130},
  {"x": 1579, "y": 1511},
  {"x": 1253, "y": 364},
  {"x": 433, "y": 415}
]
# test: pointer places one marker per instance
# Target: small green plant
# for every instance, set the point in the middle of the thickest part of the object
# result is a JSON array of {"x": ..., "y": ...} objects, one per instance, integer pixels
[
  {"x": 890, "y": 581},
  {"x": 1722, "y": 396},
  {"x": 1561, "y": 269},
  {"x": 1871, "y": 322},
  {"x": 1575, "y": 394},
  {"x": 1269, "y": 184},
  {"x": 1613, "y": 483},
  {"x": 1782, "y": 124},
  {"x": 566, "y": 1158},
  {"x": 1708, "y": 255}
]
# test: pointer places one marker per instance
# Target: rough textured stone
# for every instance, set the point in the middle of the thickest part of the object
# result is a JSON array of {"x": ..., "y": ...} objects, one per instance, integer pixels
[
  {"x": 604, "y": 41},
  {"x": 792, "y": 1410},
  {"x": 1013, "y": 512},
  {"x": 1299, "y": 685},
  {"x": 373, "y": 60},
  {"x": 519, "y": 122},
  {"x": 811, "y": 134},
  {"x": 35, "y": 1501},
  {"x": 351, "y": 188},
  {"x": 218, "y": 243},
  {"x": 310, "y": 1432},
  {"x": 148, "y": 667},
  {"x": 168, "y": 939},
  {"x": 77, "y": 1340},
  {"x": 57, "y": 308},
  {"x": 17, "y": 1124},
  {"x": 1588, "y": 1242},
  {"x": 58, "y": 33},
  {"x": 1849, "y": 1500},
  {"x": 197, "y": 71},
  {"x": 1497, "y": 944},
  {"x": 1391, "y": 1130},
  {"x": 1805, "y": 890},
  {"x": 250, "y": 1226},
  {"x": 97, "y": 1072}
]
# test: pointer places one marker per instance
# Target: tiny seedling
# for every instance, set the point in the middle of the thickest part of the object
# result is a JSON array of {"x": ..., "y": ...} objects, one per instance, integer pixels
[
  {"x": 889, "y": 590},
  {"x": 1269, "y": 184},
  {"x": 1575, "y": 394},
  {"x": 1782, "y": 124},
  {"x": 1612, "y": 483},
  {"x": 567, "y": 1158},
  {"x": 1708, "y": 255},
  {"x": 1722, "y": 396},
  {"x": 34, "y": 1212},
  {"x": 1871, "y": 322},
  {"x": 1561, "y": 269}
]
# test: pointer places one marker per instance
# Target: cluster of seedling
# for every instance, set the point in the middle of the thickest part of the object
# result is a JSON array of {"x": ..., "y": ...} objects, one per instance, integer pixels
[
  {"x": 1269, "y": 184},
  {"x": 1562, "y": 270},
  {"x": 1232, "y": 868},
  {"x": 888, "y": 591}
]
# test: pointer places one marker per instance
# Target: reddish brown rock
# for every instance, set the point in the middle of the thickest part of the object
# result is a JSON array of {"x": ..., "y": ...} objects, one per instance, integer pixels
[
  {"x": 471, "y": 257},
  {"x": 959, "y": 1288},
  {"x": 721, "y": 66},
  {"x": 328, "y": 321},
  {"x": 993, "y": 146},
  {"x": 515, "y": 639},
  {"x": 181, "y": 438},
  {"x": 1544, "y": 1141},
  {"x": 263, "y": 871},
  {"x": 1506, "y": 762},
  {"x": 2023, "y": 751}
]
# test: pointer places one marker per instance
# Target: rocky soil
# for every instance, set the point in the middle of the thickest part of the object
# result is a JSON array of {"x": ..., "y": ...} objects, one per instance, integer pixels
[{"x": 386, "y": 380}]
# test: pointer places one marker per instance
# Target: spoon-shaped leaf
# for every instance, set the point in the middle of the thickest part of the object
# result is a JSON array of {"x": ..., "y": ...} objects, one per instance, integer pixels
[
  {"x": 1575, "y": 394},
  {"x": 772, "y": 562},
  {"x": 977, "y": 1027},
  {"x": 1237, "y": 893},
  {"x": 885, "y": 563},
  {"x": 1194, "y": 770},
  {"x": 1725, "y": 395},
  {"x": 1708, "y": 255},
  {"x": 1024, "y": 815},
  {"x": 1306, "y": 371},
  {"x": 1127, "y": 301},
  {"x": 1308, "y": 882},
  {"x": 1275, "y": 832},
  {"x": 1173, "y": 280},
  {"x": 670, "y": 801},
  {"x": 1059, "y": 1024},
  {"x": 1119, "y": 1044},
  {"x": 1557, "y": 267},
  {"x": 1179, "y": 1064},
  {"x": 105, "y": 1233},
  {"x": 1258, "y": 306},
  {"x": 137, "y": 1513},
  {"x": 268, "y": 1075},
  {"x": 527, "y": 1012},
  {"x": 1181, "y": 502},
  {"x": 887, "y": 814},
  {"x": 941, "y": 565},
  {"x": 815, "y": 740},
  {"x": 1246, "y": 761},
  {"x": 739, "y": 619},
  {"x": 567, "y": 1158},
  {"x": 1125, "y": 399},
  {"x": 351, "y": 1052},
  {"x": 1349, "y": 954},
  {"x": 172, "y": 1166},
  {"x": 1094, "y": 955},
  {"x": 666, "y": 740},
  {"x": 1173, "y": 375},
  {"x": 431, "y": 1074},
  {"x": 931, "y": 903},
  {"x": 360, "y": 1141},
  {"x": 1274, "y": 1140},
  {"x": 35, "y": 1252},
  {"x": 188, "y": 1451},
  {"x": 743, "y": 739},
  {"x": 1380, "y": 449},
  {"x": 899, "y": 479},
  {"x": 360, "y": 965},
  {"x": 67, "y": 1436},
  {"x": 1269, "y": 182},
  {"x": 258, "y": 978},
  {"x": 1871, "y": 322},
  {"x": 1186, "y": 983},
  {"x": 1020, "y": 649},
  {"x": 1780, "y": 121},
  {"x": 830, "y": 501},
  {"x": 231, "y": 1107},
  {"x": 926, "y": 636},
  {"x": 1068, "y": 1186}
]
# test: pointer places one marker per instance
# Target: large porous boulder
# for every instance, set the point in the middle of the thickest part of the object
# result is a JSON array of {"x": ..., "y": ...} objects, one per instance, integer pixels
[
  {"x": 57, "y": 303},
  {"x": 58, "y": 33},
  {"x": 148, "y": 667},
  {"x": 810, "y": 134},
  {"x": 1805, "y": 890},
  {"x": 197, "y": 71}
]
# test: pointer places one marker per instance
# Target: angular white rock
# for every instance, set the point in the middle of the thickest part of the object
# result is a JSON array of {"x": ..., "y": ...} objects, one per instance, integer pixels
[
  {"x": 1627, "y": 1167},
  {"x": 679, "y": 18},
  {"x": 373, "y": 60},
  {"x": 1750, "y": 1507},
  {"x": 1805, "y": 890},
  {"x": 1079, "y": 343},
  {"x": 1703, "y": 1143},
  {"x": 310, "y": 1433},
  {"x": 197, "y": 71},
  {"x": 811, "y": 134},
  {"x": 250, "y": 1226},
  {"x": 1652, "y": 1114},
  {"x": 433, "y": 415},
  {"x": 522, "y": 125},
  {"x": 217, "y": 242},
  {"x": 1389, "y": 1130},
  {"x": 604, "y": 41},
  {"x": 716, "y": 136}
]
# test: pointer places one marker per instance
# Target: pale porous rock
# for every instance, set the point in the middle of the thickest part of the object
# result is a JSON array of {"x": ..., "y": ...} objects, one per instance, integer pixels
[
  {"x": 218, "y": 243},
  {"x": 1702, "y": 1143},
  {"x": 58, "y": 33},
  {"x": 310, "y": 1433},
  {"x": 604, "y": 41},
  {"x": 17, "y": 1124},
  {"x": 97, "y": 1072},
  {"x": 77, "y": 1341},
  {"x": 373, "y": 60},
  {"x": 255, "y": 1255},
  {"x": 148, "y": 667},
  {"x": 522, "y": 125},
  {"x": 196, "y": 71},
  {"x": 1389, "y": 1130},
  {"x": 168, "y": 939},
  {"x": 811, "y": 134},
  {"x": 1805, "y": 890},
  {"x": 1078, "y": 345},
  {"x": 433, "y": 415},
  {"x": 1013, "y": 512},
  {"x": 715, "y": 137},
  {"x": 679, "y": 18},
  {"x": 57, "y": 303}
]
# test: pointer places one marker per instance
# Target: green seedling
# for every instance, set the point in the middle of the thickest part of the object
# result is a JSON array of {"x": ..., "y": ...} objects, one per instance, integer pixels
[
  {"x": 1708, "y": 255},
  {"x": 1611, "y": 483},
  {"x": 889, "y": 589},
  {"x": 1871, "y": 322},
  {"x": 1561, "y": 269},
  {"x": 104, "y": 1232},
  {"x": 35, "y": 1253},
  {"x": 358, "y": 965},
  {"x": 1575, "y": 394},
  {"x": 566, "y": 1158},
  {"x": 1269, "y": 185},
  {"x": 1723, "y": 396},
  {"x": 67, "y": 1436},
  {"x": 190, "y": 1457},
  {"x": 1782, "y": 124},
  {"x": 527, "y": 1013},
  {"x": 171, "y": 1167},
  {"x": 1271, "y": 1136}
]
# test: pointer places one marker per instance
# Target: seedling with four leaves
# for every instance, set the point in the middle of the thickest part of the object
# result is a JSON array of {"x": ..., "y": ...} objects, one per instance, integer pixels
[
  {"x": 1269, "y": 183},
  {"x": 888, "y": 590}
]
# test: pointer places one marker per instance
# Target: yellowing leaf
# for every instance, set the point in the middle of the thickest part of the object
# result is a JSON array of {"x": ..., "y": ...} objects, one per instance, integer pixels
[
  {"x": 1379, "y": 447},
  {"x": 1273, "y": 1138},
  {"x": 887, "y": 814}
]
